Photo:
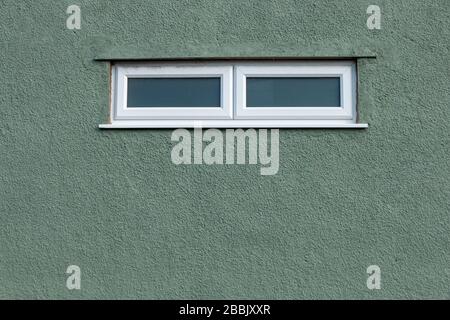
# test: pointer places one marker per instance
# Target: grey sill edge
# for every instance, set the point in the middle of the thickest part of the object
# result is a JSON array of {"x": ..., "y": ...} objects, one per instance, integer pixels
[{"x": 250, "y": 58}]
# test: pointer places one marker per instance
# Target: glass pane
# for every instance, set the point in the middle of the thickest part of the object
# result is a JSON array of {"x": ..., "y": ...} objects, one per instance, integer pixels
[
  {"x": 174, "y": 92},
  {"x": 293, "y": 92}
]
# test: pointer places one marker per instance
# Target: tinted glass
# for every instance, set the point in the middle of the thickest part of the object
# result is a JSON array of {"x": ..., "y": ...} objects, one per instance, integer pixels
[
  {"x": 293, "y": 92},
  {"x": 174, "y": 92}
]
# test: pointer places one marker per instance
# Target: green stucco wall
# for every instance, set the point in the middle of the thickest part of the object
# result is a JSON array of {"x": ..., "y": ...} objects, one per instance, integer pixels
[{"x": 113, "y": 203}]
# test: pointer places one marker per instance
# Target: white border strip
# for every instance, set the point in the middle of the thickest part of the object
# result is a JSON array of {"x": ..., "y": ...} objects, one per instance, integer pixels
[
  {"x": 343, "y": 70},
  {"x": 173, "y": 124},
  {"x": 125, "y": 71}
]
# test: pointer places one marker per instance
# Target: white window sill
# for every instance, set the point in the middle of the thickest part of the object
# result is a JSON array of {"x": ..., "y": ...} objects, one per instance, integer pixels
[{"x": 173, "y": 124}]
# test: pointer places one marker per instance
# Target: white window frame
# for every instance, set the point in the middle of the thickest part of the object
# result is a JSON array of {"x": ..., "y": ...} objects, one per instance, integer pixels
[
  {"x": 343, "y": 70},
  {"x": 124, "y": 71},
  {"x": 233, "y": 112}
]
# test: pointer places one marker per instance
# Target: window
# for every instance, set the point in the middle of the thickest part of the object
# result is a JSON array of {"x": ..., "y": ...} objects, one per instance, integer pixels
[
  {"x": 194, "y": 92},
  {"x": 303, "y": 91},
  {"x": 234, "y": 94}
]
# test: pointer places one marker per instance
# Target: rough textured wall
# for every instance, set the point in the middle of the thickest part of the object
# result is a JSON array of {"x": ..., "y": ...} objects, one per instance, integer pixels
[{"x": 113, "y": 203}]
